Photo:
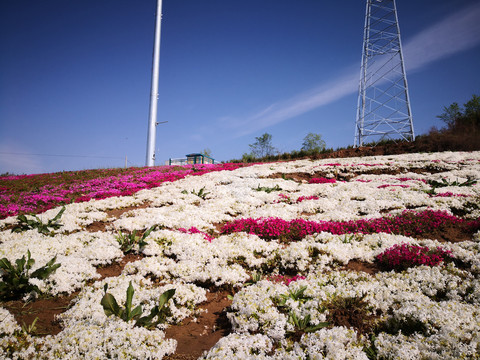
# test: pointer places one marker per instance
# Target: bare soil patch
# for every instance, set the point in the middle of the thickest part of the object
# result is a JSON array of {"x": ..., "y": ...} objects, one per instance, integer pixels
[
  {"x": 361, "y": 266},
  {"x": 116, "y": 213},
  {"x": 116, "y": 269},
  {"x": 44, "y": 310},
  {"x": 196, "y": 335}
]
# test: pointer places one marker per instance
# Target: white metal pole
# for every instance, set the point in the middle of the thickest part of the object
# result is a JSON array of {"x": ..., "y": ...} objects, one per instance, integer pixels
[{"x": 152, "y": 122}]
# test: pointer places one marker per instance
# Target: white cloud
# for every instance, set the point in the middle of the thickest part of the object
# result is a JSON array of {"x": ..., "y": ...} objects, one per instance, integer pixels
[{"x": 454, "y": 34}]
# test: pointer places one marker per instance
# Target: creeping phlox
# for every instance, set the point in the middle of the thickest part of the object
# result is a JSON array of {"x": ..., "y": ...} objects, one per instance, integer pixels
[{"x": 286, "y": 248}]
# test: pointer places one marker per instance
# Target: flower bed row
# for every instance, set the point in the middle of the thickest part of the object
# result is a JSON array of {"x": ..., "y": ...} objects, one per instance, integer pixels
[
  {"x": 409, "y": 223},
  {"x": 38, "y": 193}
]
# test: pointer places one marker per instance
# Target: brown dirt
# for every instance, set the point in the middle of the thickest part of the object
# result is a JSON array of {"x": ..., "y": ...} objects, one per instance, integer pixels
[
  {"x": 305, "y": 177},
  {"x": 195, "y": 337},
  {"x": 350, "y": 312},
  {"x": 116, "y": 269},
  {"x": 116, "y": 213},
  {"x": 44, "y": 310},
  {"x": 357, "y": 265},
  {"x": 449, "y": 233}
]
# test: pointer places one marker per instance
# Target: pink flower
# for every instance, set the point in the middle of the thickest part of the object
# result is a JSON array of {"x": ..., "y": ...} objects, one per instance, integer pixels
[
  {"x": 322, "y": 181},
  {"x": 403, "y": 256},
  {"x": 409, "y": 223},
  {"x": 194, "y": 230}
]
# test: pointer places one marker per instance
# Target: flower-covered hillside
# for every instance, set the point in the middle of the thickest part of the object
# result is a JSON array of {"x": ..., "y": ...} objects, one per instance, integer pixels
[{"x": 364, "y": 258}]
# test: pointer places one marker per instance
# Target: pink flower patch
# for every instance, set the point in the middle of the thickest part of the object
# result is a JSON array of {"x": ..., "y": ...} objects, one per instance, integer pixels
[
  {"x": 388, "y": 185},
  {"x": 194, "y": 230},
  {"x": 401, "y": 257},
  {"x": 322, "y": 181}
]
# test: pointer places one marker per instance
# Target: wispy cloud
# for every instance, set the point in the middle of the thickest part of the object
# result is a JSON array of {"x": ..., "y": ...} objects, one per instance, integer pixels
[
  {"x": 14, "y": 159},
  {"x": 300, "y": 104},
  {"x": 458, "y": 32}
]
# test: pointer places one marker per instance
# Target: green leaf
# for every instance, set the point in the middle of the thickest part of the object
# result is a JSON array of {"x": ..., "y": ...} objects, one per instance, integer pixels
[
  {"x": 167, "y": 295},
  {"x": 146, "y": 321},
  {"x": 6, "y": 265},
  {"x": 20, "y": 264},
  {"x": 146, "y": 233},
  {"x": 110, "y": 305},
  {"x": 45, "y": 271},
  {"x": 128, "y": 301},
  {"x": 317, "y": 327},
  {"x": 136, "y": 313},
  {"x": 58, "y": 216}
]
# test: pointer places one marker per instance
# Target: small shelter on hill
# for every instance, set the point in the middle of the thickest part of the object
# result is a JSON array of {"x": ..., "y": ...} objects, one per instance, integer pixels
[
  {"x": 199, "y": 159},
  {"x": 192, "y": 159}
]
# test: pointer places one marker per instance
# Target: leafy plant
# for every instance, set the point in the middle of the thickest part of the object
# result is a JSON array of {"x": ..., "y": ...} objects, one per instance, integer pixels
[
  {"x": 444, "y": 183},
  {"x": 128, "y": 241},
  {"x": 348, "y": 239},
  {"x": 256, "y": 277},
  {"x": 30, "y": 329},
  {"x": 371, "y": 351},
  {"x": 268, "y": 189},
  {"x": 127, "y": 313},
  {"x": 200, "y": 193},
  {"x": 304, "y": 324},
  {"x": 15, "y": 278},
  {"x": 24, "y": 223},
  {"x": 296, "y": 295}
]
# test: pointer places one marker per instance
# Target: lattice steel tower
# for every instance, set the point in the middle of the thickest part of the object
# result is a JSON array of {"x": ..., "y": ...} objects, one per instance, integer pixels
[{"x": 383, "y": 110}]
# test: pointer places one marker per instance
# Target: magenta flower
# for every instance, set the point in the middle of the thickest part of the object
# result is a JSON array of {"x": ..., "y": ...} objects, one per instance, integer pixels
[
  {"x": 409, "y": 223},
  {"x": 322, "y": 181},
  {"x": 403, "y": 256}
]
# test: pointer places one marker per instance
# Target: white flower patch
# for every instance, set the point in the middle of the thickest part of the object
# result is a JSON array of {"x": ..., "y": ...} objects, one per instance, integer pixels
[
  {"x": 88, "y": 307},
  {"x": 240, "y": 346},
  {"x": 70, "y": 276},
  {"x": 249, "y": 248},
  {"x": 335, "y": 344},
  {"x": 324, "y": 287},
  {"x": 254, "y": 310},
  {"x": 8, "y": 325},
  {"x": 434, "y": 282},
  {"x": 157, "y": 266},
  {"x": 295, "y": 256},
  {"x": 452, "y": 331},
  {"x": 343, "y": 248},
  {"x": 113, "y": 339},
  {"x": 77, "y": 253},
  {"x": 469, "y": 252},
  {"x": 197, "y": 260}
]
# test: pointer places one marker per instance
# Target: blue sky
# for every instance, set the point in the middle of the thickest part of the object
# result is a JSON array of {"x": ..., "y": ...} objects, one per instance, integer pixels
[{"x": 75, "y": 75}]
